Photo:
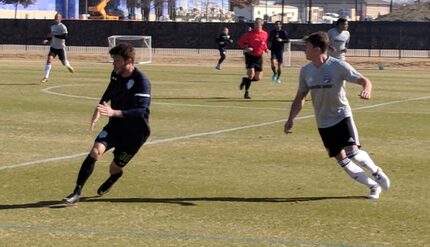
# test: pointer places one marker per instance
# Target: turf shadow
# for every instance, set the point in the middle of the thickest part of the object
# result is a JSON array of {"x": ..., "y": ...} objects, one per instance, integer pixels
[
  {"x": 191, "y": 201},
  {"x": 185, "y": 201}
]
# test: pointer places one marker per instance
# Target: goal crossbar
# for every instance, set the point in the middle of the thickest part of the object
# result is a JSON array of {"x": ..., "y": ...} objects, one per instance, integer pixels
[{"x": 141, "y": 43}]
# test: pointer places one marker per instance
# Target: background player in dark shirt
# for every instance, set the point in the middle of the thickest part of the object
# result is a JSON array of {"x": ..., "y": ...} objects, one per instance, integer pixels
[
  {"x": 222, "y": 41},
  {"x": 277, "y": 39},
  {"x": 129, "y": 93}
]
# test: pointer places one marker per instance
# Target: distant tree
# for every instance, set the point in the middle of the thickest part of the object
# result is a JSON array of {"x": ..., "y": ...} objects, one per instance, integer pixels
[
  {"x": 158, "y": 9},
  {"x": 146, "y": 4},
  {"x": 171, "y": 9},
  {"x": 24, "y": 3}
]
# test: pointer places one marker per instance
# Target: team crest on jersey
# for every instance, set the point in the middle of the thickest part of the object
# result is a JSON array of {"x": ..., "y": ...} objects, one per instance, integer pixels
[
  {"x": 327, "y": 79},
  {"x": 130, "y": 83}
]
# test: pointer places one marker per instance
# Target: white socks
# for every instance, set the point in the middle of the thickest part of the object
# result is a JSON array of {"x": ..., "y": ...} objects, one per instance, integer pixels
[
  {"x": 48, "y": 67},
  {"x": 363, "y": 159},
  {"x": 356, "y": 173},
  {"x": 66, "y": 63}
]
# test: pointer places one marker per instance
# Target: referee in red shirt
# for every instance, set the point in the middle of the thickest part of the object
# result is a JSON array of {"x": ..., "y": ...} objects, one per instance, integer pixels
[{"x": 253, "y": 43}]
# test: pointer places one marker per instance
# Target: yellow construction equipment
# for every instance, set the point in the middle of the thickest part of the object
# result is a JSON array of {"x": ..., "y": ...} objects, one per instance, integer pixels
[{"x": 98, "y": 12}]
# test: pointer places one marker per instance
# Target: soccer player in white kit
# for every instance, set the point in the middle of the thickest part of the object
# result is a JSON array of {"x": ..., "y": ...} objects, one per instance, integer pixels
[
  {"x": 57, "y": 39},
  {"x": 324, "y": 77},
  {"x": 339, "y": 38}
]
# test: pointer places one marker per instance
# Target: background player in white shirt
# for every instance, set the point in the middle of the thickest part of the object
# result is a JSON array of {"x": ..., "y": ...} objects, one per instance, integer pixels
[
  {"x": 325, "y": 78},
  {"x": 339, "y": 39},
  {"x": 57, "y": 39}
]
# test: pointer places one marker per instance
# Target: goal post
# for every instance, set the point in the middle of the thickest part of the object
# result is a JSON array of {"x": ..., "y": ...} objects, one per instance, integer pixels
[
  {"x": 294, "y": 52},
  {"x": 141, "y": 44}
]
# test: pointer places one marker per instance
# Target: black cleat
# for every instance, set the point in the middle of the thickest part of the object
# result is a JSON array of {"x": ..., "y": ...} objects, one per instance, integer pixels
[
  {"x": 242, "y": 84},
  {"x": 105, "y": 187},
  {"x": 72, "y": 198},
  {"x": 246, "y": 96}
]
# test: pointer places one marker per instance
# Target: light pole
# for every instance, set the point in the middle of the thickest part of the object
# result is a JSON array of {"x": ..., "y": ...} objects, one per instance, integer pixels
[{"x": 282, "y": 12}]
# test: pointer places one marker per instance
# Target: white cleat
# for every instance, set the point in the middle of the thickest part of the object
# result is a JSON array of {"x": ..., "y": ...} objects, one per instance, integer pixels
[
  {"x": 71, "y": 69},
  {"x": 279, "y": 81},
  {"x": 382, "y": 179},
  {"x": 375, "y": 191},
  {"x": 44, "y": 80}
]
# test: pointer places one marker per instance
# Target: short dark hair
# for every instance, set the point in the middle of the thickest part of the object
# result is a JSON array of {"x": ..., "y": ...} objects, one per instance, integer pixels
[
  {"x": 318, "y": 39},
  {"x": 124, "y": 50},
  {"x": 341, "y": 21}
]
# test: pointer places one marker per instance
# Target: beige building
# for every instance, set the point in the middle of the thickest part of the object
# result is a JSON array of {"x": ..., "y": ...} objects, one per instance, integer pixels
[
  {"x": 269, "y": 10},
  {"x": 352, "y": 9}
]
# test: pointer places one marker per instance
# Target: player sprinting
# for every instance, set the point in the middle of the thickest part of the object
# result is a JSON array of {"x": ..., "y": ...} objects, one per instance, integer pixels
[
  {"x": 129, "y": 93},
  {"x": 339, "y": 39},
  {"x": 277, "y": 40},
  {"x": 325, "y": 78},
  {"x": 254, "y": 43},
  {"x": 222, "y": 41},
  {"x": 57, "y": 39}
]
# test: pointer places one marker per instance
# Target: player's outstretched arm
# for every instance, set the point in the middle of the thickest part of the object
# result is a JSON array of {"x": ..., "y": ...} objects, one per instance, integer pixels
[
  {"x": 296, "y": 107},
  {"x": 94, "y": 119}
]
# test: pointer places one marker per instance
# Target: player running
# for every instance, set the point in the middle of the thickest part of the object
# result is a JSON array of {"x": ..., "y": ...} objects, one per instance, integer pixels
[
  {"x": 129, "y": 93},
  {"x": 277, "y": 40},
  {"x": 57, "y": 39},
  {"x": 325, "y": 78},
  {"x": 253, "y": 43},
  {"x": 222, "y": 41}
]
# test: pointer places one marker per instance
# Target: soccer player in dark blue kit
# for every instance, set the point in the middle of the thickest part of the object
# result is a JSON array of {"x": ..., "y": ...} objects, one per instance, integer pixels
[
  {"x": 222, "y": 41},
  {"x": 277, "y": 39},
  {"x": 129, "y": 93}
]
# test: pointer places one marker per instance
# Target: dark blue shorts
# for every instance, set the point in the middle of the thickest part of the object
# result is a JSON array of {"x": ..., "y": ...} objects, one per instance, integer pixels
[
  {"x": 126, "y": 144},
  {"x": 278, "y": 55}
]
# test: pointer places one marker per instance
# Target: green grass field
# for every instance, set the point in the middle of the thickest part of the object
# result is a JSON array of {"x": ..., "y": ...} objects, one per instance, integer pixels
[{"x": 217, "y": 170}]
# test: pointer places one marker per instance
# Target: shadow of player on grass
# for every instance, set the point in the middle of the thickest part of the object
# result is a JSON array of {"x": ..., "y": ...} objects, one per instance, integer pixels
[{"x": 186, "y": 201}]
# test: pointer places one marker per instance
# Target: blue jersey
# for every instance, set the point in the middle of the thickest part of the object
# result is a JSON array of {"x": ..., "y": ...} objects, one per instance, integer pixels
[
  {"x": 131, "y": 95},
  {"x": 275, "y": 45}
]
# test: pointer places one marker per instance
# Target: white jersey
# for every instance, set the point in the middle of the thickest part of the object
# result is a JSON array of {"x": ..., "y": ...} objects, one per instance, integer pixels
[
  {"x": 327, "y": 86},
  {"x": 58, "y": 29},
  {"x": 339, "y": 41}
]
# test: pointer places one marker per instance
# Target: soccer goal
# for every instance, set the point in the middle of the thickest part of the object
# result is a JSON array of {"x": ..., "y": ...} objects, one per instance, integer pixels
[
  {"x": 294, "y": 53},
  {"x": 142, "y": 46}
]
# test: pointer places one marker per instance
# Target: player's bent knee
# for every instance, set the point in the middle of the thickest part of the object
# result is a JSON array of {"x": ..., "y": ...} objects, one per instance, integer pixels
[{"x": 97, "y": 152}]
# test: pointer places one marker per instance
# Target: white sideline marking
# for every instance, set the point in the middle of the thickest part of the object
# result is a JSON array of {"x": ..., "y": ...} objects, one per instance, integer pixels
[
  {"x": 29, "y": 163},
  {"x": 47, "y": 90}
]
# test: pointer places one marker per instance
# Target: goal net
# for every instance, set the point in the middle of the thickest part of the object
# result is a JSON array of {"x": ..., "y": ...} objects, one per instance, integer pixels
[
  {"x": 142, "y": 46},
  {"x": 294, "y": 53}
]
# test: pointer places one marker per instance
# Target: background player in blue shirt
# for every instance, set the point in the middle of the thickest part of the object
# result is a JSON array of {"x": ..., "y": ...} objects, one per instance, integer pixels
[{"x": 129, "y": 94}]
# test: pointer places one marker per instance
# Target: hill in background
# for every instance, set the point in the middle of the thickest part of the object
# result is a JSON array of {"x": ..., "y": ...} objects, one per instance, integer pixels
[{"x": 417, "y": 12}]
